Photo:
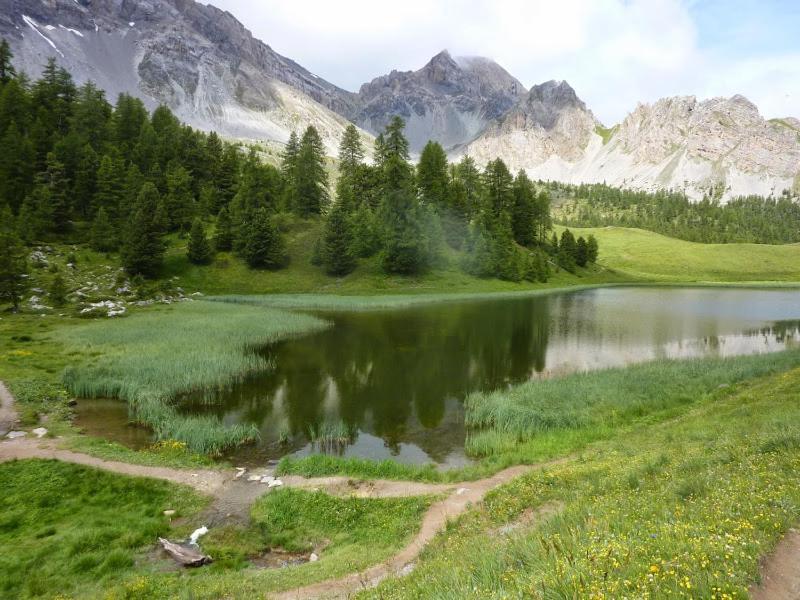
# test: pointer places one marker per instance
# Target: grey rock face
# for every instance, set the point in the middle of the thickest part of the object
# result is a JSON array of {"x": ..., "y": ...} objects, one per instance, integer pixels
[
  {"x": 550, "y": 121},
  {"x": 450, "y": 100},
  {"x": 199, "y": 60}
]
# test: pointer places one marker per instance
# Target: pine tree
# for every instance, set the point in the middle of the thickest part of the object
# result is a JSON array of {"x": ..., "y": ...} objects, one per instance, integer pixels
[
  {"x": 469, "y": 176},
  {"x": 263, "y": 246},
  {"x": 143, "y": 247},
  {"x": 110, "y": 185},
  {"x": 289, "y": 160},
  {"x": 581, "y": 252},
  {"x": 567, "y": 251},
  {"x": 366, "y": 237},
  {"x": 58, "y": 290},
  {"x": 478, "y": 260},
  {"x": 337, "y": 253},
  {"x": 351, "y": 151},
  {"x": 7, "y": 72},
  {"x": 55, "y": 179},
  {"x": 397, "y": 173},
  {"x": 432, "y": 176},
  {"x": 351, "y": 156},
  {"x": 207, "y": 201},
  {"x": 223, "y": 236},
  {"x": 506, "y": 257},
  {"x": 524, "y": 209},
  {"x": 405, "y": 250},
  {"x": 36, "y": 214},
  {"x": 13, "y": 267},
  {"x": 404, "y": 245},
  {"x": 126, "y": 123},
  {"x": 591, "y": 249},
  {"x": 199, "y": 250},
  {"x": 91, "y": 116},
  {"x": 102, "y": 237},
  {"x": 311, "y": 180},
  {"x": 498, "y": 188},
  {"x": 536, "y": 268},
  {"x": 15, "y": 106},
  {"x": 84, "y": 186},
  {"x": 16, "y": 167},
  {"x": 180, "y": 198}
]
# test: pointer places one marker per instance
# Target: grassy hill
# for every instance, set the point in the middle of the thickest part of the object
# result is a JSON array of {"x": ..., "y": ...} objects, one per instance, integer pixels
[{"x": 636, "y": 254}]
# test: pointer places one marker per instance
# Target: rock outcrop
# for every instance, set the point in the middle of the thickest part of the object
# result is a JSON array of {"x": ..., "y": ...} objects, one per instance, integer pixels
[
  {"x": 450, "y": 100},
  {"x": 197, "y": 59},
  {"x": 718, "y": 148},
  {"x": 550, "y": 122}
]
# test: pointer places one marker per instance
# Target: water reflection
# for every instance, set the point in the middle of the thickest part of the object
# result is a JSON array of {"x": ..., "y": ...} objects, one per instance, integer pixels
[{"x": 398, "y": 378}]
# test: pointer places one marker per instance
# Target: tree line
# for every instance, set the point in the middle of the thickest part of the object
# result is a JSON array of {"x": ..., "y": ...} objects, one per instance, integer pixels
[
  {"x": 411, "y": 215},
  {"x": 750, "y": 219},
  {"x": 74, "y": 167}
]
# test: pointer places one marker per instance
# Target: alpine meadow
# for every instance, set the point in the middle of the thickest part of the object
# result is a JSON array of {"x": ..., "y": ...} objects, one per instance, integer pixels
[{"x": 449, "y": 333}]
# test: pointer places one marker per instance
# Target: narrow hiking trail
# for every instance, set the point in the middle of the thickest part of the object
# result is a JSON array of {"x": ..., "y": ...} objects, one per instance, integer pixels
[
  {"x": 233, "y": 496},
  {"x": 780, "y": 571}
]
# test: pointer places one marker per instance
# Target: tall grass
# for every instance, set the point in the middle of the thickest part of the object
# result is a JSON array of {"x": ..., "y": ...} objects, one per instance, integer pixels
[
  {"x": 500, "y": 421},
  {"x": 331, "y": 436},
  {"x": 151, "y": 357},
  {"x": 680, "y": 509}
]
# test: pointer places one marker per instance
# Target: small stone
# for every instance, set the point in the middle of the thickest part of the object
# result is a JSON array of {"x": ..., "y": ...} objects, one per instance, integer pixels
[
  {"x": 461, "y": 491},
  {"x": 39, "y": 432},
  {"x": 239, "y": 474},
  {"x": 169, "y": 512},
  {"x": 313, "y": 557},
  {"x": 254, "y": 478},
  {"x": 272, "y": 462},
  {"x": 12, "y": 435}
]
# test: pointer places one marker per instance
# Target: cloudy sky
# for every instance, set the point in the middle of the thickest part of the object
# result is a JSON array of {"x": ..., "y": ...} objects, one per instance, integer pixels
[{"x": 613, "y": 52}]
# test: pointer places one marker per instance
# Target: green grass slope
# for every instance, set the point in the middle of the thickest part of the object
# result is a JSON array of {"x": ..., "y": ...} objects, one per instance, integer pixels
[{"x": 644, "y": 255}]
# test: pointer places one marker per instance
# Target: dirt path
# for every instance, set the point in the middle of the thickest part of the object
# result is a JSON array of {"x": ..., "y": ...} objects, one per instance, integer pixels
[
  {"x": 233, "y": 497},
  {"x": 780, "y": 571},
  {"x": 206, "y": 481},
  {"x": 8, "y": 416},
  {"x": 466, "y": 494}
]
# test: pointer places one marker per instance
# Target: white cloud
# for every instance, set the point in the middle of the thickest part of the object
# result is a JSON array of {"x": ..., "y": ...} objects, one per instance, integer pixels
[{"x": 613, "y": 52}]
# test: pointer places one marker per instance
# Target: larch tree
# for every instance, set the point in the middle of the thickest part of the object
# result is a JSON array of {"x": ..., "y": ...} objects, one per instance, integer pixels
[
  {"x": 337, "y": 252},
  {"x": 143, "y": 247},
  {"x": 311, "y": 180},
  {"x": 199, "y": 250}
]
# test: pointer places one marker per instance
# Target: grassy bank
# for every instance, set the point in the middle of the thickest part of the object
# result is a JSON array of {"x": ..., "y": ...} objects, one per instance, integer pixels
[
  {"x": 602, "y": 401},
  {"x": 151, "y": 357},
  {"x": 684, "y": 508},
  {"x": 66, "y": 530},
  {"x": 535, "y": 421},
  {"x": 644, "y": 255},
  {"x": 347, "y": 534}
]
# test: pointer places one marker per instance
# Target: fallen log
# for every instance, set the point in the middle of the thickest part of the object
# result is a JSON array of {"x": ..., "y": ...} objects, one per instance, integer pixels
[{"x": 188, "y": 557}]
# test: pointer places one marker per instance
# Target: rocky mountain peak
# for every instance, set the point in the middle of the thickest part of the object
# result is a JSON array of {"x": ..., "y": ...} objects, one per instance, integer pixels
[
  {"x": 547, "y": 101},
  {"x": 441, "y": 69},
  {"x": 450, "y": 99}
]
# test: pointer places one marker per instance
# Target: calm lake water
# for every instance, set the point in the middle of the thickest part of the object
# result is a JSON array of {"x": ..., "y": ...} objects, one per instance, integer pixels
[{"x": 397, "y": 379}]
